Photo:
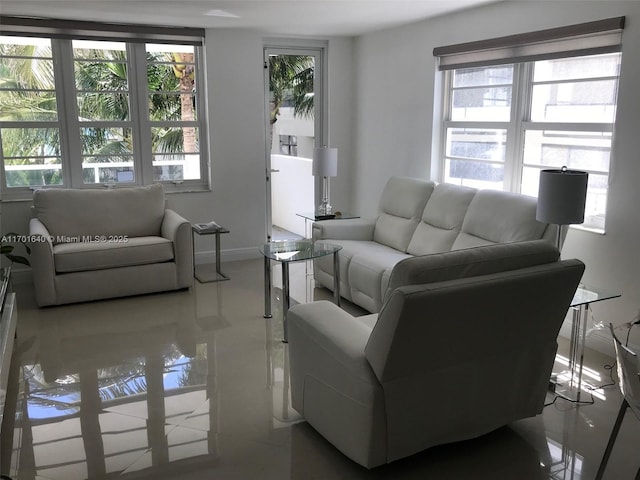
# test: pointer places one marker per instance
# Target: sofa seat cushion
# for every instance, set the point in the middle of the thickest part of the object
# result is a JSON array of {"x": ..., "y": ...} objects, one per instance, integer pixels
[
  {"x": 98, "y": 255},
  {"x": 369, "y": 272},
  {"x": 323, "y": 266},
  {"x": 349, "y": 249}
]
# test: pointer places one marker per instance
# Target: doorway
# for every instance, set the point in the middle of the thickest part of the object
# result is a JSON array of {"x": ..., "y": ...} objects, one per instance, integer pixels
[{"x": 294, "y": 126}]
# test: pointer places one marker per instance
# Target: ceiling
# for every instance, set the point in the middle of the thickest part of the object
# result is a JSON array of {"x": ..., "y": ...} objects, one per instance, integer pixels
[{"x": 283, "y": 17}]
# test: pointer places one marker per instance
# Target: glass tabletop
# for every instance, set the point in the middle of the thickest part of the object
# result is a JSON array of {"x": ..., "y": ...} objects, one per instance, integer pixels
[
  {"x": 585, "y": 295},
  {"x": 293, "y": 251}
]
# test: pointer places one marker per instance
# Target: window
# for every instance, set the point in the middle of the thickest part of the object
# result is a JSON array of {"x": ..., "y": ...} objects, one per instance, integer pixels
[
  {"x": 504, "y": 123},
  {"x": 289, "y": 145},
  {"x": 103, "y": 123},
  {"x": 29, "y": 123},
  {"x": 86, "y": 112},
  {"x": 173, "y": 112}
]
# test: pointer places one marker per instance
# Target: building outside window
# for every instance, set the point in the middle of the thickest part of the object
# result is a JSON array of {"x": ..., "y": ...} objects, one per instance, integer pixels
[
  {"x": 505, "y": 122},
  {"x": 87, "y": 112}
]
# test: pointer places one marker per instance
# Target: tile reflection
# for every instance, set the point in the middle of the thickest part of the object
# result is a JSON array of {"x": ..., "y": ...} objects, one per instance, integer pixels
[
  {"x": 278, "y": 368},
  {"x": 138, "y": 392}
]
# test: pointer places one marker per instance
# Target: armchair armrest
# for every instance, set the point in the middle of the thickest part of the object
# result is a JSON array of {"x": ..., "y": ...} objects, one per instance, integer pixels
[
  {"x": 332, "y": 383},
  {"x": 177, "y": 229},
  {"x": 337, "y": 333},
  {"x": 350, "y": 229},
  {"x": 42, "y": 264}
]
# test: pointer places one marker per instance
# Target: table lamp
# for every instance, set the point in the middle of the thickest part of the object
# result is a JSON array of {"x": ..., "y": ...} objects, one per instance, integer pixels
[
  {"x": 562, "y": 196},
  {"x": 325, "y": 165}
]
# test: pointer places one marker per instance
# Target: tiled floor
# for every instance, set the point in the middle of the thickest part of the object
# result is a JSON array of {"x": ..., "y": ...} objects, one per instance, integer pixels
[
  {"x": 192, "y": 385},
  {"x": 278, "y": 234}
]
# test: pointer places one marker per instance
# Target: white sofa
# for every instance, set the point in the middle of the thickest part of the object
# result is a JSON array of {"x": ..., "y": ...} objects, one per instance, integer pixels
[
  {"x": 464, "y": 344},
  {"x": 419, "y": 217},
  {"x": 91, "y": 244}
]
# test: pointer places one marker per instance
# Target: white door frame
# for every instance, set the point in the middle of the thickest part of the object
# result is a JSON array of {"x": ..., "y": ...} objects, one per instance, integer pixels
[{"x": 318, "y": 50}]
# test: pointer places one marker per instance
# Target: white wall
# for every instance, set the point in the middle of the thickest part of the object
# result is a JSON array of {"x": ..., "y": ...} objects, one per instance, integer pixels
[
  {"x": 396, "y": 79},
  {"x": 237, "y": 136},
  {"x": 342, "y": 89},
  {"x": 291, "y": 192},
  {"x": 237, "y": 130}
]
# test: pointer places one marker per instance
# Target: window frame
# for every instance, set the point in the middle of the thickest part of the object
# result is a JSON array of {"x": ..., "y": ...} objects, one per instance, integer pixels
[
  {"x": 68, "y": 121},
  {"x": 517, "y": 127}
]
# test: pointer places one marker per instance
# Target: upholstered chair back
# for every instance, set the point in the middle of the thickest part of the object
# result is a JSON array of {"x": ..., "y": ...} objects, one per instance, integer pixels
[
  {"x": 467, "y": 337},
  {"x": 131, "y": 212},
  {"x": 470, "y": 262}
]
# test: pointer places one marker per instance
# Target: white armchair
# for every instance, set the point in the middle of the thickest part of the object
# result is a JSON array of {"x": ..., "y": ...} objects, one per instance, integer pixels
[
  {"x": 92, "y": 244},
  {"x": 424, "y": 371}
]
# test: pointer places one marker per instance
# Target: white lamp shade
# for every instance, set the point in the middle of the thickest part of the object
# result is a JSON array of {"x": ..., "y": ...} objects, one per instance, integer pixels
[
  {"x": 562, "y": 196},
  {"x": 325, "y": 162}
]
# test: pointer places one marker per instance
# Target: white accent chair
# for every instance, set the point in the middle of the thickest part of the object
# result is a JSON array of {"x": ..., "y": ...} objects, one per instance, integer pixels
[
  {"x": 92, "y": 244},
  {"x": 464, "y": 343}
]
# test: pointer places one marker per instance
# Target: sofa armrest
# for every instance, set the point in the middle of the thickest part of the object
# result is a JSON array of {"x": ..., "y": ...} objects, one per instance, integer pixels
[
  {"x": 42, "y": 264},
  {"x": 350, "y": 229},
  {"x": 177, "y": 229}
]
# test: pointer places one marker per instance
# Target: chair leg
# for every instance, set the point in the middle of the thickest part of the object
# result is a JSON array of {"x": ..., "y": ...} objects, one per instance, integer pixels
[
  {"x": 638, "y": 474},
  {"x": 612, "y": 439}
]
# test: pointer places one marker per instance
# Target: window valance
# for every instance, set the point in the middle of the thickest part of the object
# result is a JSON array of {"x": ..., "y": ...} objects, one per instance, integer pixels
[
  {"x": 71, "y": 29},
  {"x": 592, "y": 38}
]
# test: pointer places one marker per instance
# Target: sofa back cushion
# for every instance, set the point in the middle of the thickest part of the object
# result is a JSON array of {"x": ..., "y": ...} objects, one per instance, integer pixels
[
  {"x": 441, "y": 220},
  {"x": 134, "y": 212},
  {"x": 499, "y": 217},
  {"x": 401, "y": 206},
  {"x": 470, "y": 262}
]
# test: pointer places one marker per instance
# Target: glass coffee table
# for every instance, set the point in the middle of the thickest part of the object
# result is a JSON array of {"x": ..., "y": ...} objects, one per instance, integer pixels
[{"x": 295, "y": 251}]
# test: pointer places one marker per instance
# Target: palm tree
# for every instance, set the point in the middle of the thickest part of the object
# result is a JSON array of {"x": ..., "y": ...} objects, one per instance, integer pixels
[
  {"x": 26, "y": 75},
  {"x": 185, "y": 74},
  {"x": 26, "y": 72},
  {"x": 290, "y": 81}
]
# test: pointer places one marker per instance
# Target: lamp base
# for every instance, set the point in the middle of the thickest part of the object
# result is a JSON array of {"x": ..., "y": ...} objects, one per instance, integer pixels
[
  {"x": 324, "y": 211},
  {"x": 325, "y": 208}
]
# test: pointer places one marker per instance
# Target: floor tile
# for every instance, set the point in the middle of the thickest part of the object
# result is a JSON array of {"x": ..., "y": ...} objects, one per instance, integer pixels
[{"x": 194, "y": 385}]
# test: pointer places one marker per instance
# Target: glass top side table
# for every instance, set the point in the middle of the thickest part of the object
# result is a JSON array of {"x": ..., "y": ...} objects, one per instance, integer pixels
[
  {"x": 582, "y": 299},
  {"x": 312, "y": 217},
  {"x": 295, "y": 251}
]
